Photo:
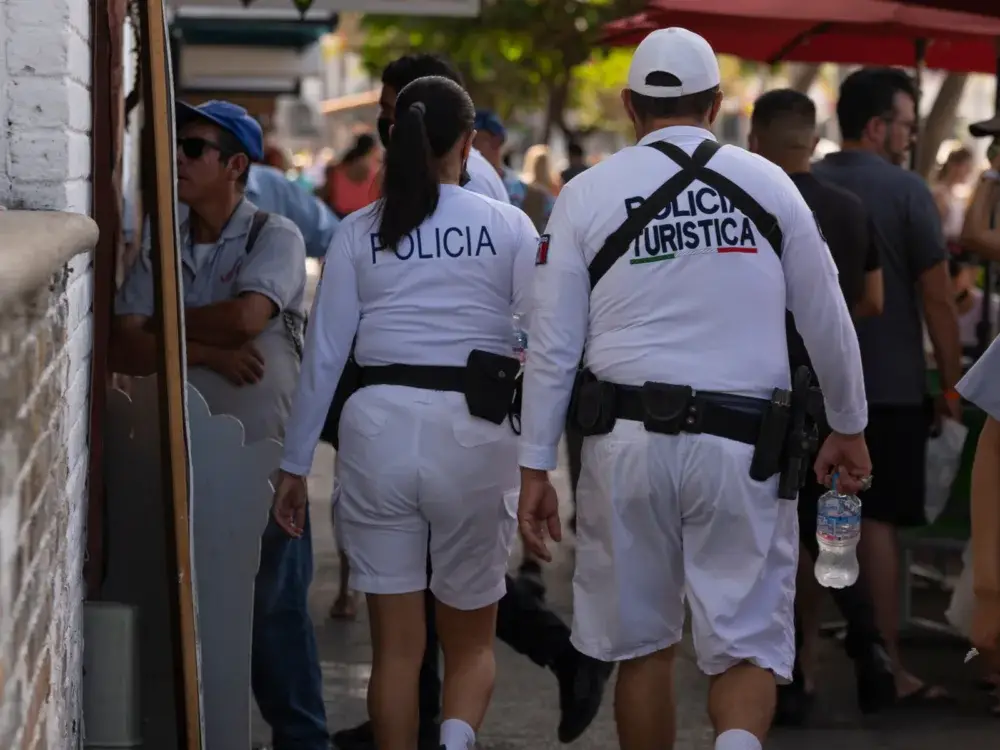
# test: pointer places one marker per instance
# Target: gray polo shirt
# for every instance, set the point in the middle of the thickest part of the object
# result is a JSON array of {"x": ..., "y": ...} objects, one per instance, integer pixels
[
  {"x": 908, "y": 225},
  {"x": 275, "y": 268}
]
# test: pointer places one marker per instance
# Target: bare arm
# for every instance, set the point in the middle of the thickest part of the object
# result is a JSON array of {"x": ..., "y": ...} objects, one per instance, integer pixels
[
  {"x": 942, "y": 323},
  {"x": 229, "y": 324},
  {"x": 986, "y": 511},
  {"x": 133, "y": 349},
  {"x": 872, "y": 301},
  {"x": 976, "y": 232}
]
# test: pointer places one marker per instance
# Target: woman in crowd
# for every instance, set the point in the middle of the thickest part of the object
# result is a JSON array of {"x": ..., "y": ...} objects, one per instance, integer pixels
[
  {"x": 951, "y": 194},
  {"x": 538, "y": 169},
  {"x": 981, "y": 386},
  {"x": 422, "y": 284},
  {"x": 352, "y": 183}
]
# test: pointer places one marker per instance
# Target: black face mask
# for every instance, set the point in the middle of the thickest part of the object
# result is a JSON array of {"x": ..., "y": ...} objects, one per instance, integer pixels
[{"x": 383, "y": 124}]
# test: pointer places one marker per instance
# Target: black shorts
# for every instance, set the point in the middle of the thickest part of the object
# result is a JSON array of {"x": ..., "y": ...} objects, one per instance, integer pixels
[{"x": 897, "y": 442}]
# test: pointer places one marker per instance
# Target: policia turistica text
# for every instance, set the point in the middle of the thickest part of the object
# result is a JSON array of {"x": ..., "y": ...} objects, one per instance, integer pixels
[
  {"x": 422, "y": 283},
  {"x": 675, "y": 295}
]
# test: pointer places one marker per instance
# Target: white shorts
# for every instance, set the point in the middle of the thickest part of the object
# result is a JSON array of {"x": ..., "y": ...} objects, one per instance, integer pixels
[
  {"x": 664, "y": 517},
  {"x": 414, "y": 462}
]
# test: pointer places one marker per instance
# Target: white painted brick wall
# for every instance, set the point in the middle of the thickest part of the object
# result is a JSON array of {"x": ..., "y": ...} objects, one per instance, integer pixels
[{"x": 45, "y": 163}]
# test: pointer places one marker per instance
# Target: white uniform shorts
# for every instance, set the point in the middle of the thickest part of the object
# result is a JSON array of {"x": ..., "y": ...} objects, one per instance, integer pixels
[
  {"x": 661, "y": 518},
  {"x": 414, "y": 463}
]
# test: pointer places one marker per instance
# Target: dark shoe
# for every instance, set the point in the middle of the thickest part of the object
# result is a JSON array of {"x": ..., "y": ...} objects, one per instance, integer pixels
[
  {"x": 876, "y": 684},
  {"x": 794, "y": 705},
  {"x": 362, "y": 737},
  {"x": 581, "y": 688},
  {"x": 529, "y": 578}
]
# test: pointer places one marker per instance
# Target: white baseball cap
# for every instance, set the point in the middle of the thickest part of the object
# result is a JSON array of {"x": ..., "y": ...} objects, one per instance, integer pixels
[{"x": 673, "y": 62}]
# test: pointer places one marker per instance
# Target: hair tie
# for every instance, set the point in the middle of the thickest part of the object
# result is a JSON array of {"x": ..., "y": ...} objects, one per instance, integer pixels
[{"x": 418, "y": 108}]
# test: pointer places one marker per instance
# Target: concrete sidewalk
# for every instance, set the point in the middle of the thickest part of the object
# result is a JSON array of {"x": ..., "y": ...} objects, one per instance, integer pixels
[{"x": 524, "y": 711}]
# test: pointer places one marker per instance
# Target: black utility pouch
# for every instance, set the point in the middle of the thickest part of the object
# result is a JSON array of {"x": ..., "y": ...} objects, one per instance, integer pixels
[
  {"x": 592, "y": 405},
  {"x": 669, "y": 409},
  {"x": 769, "y": 449},
  {"x": 490, "y": 384},
  {"x": 347, "y": 386}
]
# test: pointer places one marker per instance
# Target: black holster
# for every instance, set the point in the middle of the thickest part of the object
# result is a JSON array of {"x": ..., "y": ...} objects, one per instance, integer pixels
[
  {"x": 491, "y": 385},
  {"x": 347, "y": 386},
  {"x": 769, "y": 450},
  {"x": 592, "y": 408},
  {"x": 803, "y": 435}
]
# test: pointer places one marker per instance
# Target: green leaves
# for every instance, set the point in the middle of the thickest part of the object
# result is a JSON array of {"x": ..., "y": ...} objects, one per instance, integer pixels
[{"x": 514, "y": 54}]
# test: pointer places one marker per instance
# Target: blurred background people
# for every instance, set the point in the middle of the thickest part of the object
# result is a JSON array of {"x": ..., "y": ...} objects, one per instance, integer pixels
[
  {"x": 538, "y": 169},
  {"x": 353, "y": 182},
  {"x": 950, "y": 189},
  {"x": 577, "y": 162},
  {"x": 491, "y": 136}
]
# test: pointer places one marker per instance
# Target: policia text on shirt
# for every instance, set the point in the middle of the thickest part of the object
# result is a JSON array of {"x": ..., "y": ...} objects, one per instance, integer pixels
[{"x": 723, "y": 230}]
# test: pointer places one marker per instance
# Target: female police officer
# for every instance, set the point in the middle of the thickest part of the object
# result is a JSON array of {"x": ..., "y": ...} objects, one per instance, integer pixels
[{"x": 423, "y": 282}]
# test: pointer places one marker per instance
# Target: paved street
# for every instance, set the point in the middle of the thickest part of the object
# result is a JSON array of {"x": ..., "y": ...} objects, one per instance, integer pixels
[{"x": 524, "y": 712}]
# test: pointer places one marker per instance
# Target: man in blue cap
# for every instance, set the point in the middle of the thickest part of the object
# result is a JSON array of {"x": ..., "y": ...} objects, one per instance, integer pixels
[
  {"x": 244, "y": 283},
  {"x": 491, "y": 135}
]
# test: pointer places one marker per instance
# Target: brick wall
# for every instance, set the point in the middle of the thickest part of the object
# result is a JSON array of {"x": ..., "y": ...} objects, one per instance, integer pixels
[{"x": 45, "y": 343}]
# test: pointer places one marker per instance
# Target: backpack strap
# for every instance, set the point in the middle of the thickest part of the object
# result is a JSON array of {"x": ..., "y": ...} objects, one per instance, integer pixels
[
  {"x": 765, "y": 222},
  {"x": 256, "y": 225},
  {"x": 617, "y": 243},
  {"x": 692, "y": 168}
]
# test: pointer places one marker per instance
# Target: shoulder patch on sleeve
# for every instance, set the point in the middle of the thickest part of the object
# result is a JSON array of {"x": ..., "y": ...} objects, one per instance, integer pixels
[
  {"x": 542, "y": 256},
  {"x": 819, "y": 228}
]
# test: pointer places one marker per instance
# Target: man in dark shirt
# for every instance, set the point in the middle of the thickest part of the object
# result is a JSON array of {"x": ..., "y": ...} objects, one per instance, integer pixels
[
  {"x": 577, "y": 162},
  {"x": 783, "y": 130},
  {"x": 877, "y": 115}
]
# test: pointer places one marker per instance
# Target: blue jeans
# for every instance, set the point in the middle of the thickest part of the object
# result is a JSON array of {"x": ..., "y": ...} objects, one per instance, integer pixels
[{"x": 285, "y": 673}]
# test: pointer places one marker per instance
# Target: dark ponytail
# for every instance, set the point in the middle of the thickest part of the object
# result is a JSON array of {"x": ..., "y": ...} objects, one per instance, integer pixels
[{"x": 432, "y": 115}]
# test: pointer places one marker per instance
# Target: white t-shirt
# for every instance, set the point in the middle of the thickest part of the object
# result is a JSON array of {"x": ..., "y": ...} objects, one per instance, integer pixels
[
  {"x": 450, "y": 287},
  {"x": 483, "y": 178},
  {"x": 699, "y": 298},
  {"x": 969, "y": 321}
]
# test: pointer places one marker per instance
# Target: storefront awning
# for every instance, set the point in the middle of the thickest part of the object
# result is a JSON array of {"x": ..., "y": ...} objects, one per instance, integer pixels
[{"x": 251, "y": 32}]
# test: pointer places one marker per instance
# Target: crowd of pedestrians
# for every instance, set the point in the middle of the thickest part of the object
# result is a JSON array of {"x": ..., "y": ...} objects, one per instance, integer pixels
[{"x": 851, "y": 265}]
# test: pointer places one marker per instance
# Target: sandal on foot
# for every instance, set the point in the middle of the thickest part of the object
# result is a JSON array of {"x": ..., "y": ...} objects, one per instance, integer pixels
[
  {"x": 344, "y": 608},
  {"x": 925, "y": 696}
]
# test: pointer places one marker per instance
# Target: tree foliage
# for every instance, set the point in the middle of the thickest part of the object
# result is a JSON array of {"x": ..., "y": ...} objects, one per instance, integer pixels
[{"x": 518, "y": 55}]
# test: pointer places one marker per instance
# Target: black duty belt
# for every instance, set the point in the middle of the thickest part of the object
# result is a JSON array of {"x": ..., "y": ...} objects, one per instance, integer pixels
[
  {"x": 736, "y": 418},
  {"x": 426, "y": 377}
]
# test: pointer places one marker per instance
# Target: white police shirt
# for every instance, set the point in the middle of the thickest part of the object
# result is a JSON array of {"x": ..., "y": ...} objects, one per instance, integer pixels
[
  {"x": 483, "y": 178},
  {"x": 698, "y": 299},
  {"x": 450, "y": 287}
]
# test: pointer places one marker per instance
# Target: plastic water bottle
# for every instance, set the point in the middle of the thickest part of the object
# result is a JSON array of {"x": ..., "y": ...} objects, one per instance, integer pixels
[
  {"x": 520, "y": 338},
  {"x": 838, "y": 530}
]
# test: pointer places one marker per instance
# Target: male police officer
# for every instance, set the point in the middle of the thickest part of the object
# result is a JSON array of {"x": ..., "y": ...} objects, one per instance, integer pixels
[
  {"x": 523, "y": 621},
  {"x": 480, "y": 177},
  {"x": 244, "y": 283},
  {"x": 681, "y": 312}
]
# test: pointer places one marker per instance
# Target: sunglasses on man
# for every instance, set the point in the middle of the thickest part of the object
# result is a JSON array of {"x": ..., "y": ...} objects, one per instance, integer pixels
[{"x": 194, "y": 147}]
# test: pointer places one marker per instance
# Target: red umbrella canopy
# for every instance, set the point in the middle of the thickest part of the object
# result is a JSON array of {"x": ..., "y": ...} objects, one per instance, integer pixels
[
  {"x": 872, "y": 32},
  {"x": 980, "y": 7}
]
